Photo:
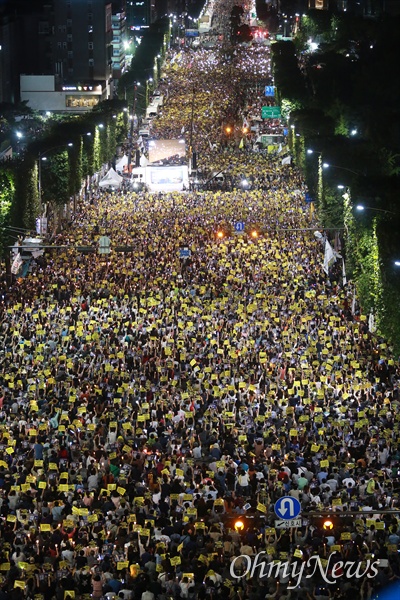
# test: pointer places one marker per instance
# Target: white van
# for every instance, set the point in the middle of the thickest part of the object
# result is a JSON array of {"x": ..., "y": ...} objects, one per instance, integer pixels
[
  {"x": 159, "y": 100},
  {"x": 152, "y": 111},
  {"x": 145, "y": 132}
]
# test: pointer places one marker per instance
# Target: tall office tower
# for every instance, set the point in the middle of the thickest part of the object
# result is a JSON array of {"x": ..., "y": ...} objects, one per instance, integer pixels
[{"x": 82, "y": 40}]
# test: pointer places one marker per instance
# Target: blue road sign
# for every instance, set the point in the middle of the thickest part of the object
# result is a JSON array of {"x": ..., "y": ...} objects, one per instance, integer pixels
[
  {"x": 269, "y": 90},
  {"x": 239, "y": 227},
  {"x": 184, "y": 253},
  {"x": 287, "y": 508},
  {"x": 308, "y": 198}
]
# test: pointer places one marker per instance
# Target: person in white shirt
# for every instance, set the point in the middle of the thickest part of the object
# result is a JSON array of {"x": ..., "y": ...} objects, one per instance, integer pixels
[
  {"x": 346, "y": 482},
  {"x": 185, "y": 585}
]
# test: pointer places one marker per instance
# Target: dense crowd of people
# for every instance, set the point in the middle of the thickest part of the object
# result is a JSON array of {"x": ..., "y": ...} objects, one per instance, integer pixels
[{"x": 155, "y": 405}]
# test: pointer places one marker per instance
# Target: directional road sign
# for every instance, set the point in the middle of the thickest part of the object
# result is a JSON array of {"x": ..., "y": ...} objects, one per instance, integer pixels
[
  {"x": 270, "y": 112},
  {"x": 282, "y": 524},
  {"x": 269, "y": 90},
  {"x": 184, "y": 253},
  {"x": 239, "y": 227},
  {"x": 287, "y": 508}
]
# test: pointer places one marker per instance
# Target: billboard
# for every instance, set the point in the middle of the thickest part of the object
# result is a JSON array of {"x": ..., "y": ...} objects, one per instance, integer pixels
[
  {"x": 166, "y": 151},
  {"x": 167, "y": 179}
]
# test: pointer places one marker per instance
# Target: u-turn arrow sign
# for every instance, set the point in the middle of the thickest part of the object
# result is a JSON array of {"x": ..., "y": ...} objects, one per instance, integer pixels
[{"x": 287, "y": 508}]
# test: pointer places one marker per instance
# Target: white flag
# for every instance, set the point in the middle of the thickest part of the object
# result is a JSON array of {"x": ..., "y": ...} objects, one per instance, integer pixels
[
  {"x": 183, "y": 129},
  {"x": 344, "y": 273},
  {"x": 353, "y": 303},
  {"x": 16, "y": 265},
  {"x": 287, "y": 160},
  {"x": 371, "y": 323},
  {"x": 329, "y": 257},
  {"x": 280, "y": 148}
]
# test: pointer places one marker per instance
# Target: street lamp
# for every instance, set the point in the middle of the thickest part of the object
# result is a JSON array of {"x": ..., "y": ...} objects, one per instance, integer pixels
[
  {"x": 361, "y": 207},
  {"x": 327, "y": 166}
]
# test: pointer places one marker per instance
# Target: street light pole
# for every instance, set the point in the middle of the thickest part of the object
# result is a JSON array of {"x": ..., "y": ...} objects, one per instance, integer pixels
[
  {"x": 327, "y": 165},
  {"x": 360, "y": 208},
  {"x": 191, "y": 130},
  {"x": 131, "y": 127}
]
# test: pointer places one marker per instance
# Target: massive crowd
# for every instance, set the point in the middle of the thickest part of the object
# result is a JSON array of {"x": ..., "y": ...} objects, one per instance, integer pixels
[{"x": 149, "y": 400}]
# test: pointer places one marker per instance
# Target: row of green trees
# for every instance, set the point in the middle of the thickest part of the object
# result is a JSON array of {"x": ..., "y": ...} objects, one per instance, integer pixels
[
  {"x": 51, "y": 170},
  {"x": 336, "y": 89},
  {"x": 57, "y": 164}
]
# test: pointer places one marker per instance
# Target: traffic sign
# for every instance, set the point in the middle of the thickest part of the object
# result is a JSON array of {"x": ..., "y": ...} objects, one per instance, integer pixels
[
  {"x": 184, "y": 253},
  {"x": 288, "y": 524},
  {"x": 270, "y": 112},
  {"x": 287, "y": 508},
  {"x": 239, "y": 227},
  {"x": 269, "y": 90}
]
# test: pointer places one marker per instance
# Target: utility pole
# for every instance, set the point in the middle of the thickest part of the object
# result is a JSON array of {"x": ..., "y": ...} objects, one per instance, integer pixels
[
  {"x": 132, "y": 117},
  {"x": 191, "y": 129}
]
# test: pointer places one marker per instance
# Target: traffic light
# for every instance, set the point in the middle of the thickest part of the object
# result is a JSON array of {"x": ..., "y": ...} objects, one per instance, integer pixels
[
  {"x": 239, "y": 525},
  {"x": 194, "y": 161}
]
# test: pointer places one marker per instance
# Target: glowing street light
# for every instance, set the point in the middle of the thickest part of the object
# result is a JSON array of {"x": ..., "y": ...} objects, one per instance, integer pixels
[
  {"x": 327, "y": 166},
  {"x": 361, "y": 208},
  {"x": 311, "y": 151}
]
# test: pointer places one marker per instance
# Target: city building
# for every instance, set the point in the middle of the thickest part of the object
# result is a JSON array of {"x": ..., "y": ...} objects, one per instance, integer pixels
[
  {"x": 120, "y": 44},
  {"x": 67, "y": 45}
]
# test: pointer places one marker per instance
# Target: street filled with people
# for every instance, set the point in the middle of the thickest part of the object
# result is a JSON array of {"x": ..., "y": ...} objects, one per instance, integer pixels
[{"x": 155, "y": 404}]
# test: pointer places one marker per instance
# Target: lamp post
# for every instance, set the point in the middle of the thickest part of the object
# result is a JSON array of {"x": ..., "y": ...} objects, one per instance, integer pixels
[
  {"x": 361, "y": 207},
  {"x": 327, "y": 166}
]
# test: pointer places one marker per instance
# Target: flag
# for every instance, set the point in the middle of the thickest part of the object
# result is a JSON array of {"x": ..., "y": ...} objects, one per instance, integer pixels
[
  {"x": 279, "y": 148},
  {"x": 371, "y": 323},
  {"x": 329, "y": 257},
  {"x": 241, "y": 144},
  {"x": 353, "y": 303},
  {"x": 16, "y": 265},
  {"x": 344, "y": 273},
  {"x": 287, "y": 160},
  {"x": 183, "y": 129}
]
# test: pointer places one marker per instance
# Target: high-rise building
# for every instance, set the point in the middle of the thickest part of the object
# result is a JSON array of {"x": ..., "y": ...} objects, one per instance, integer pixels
[
  {"x": 82, "y": 40},
  {"x": 120, "y": 44}
]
